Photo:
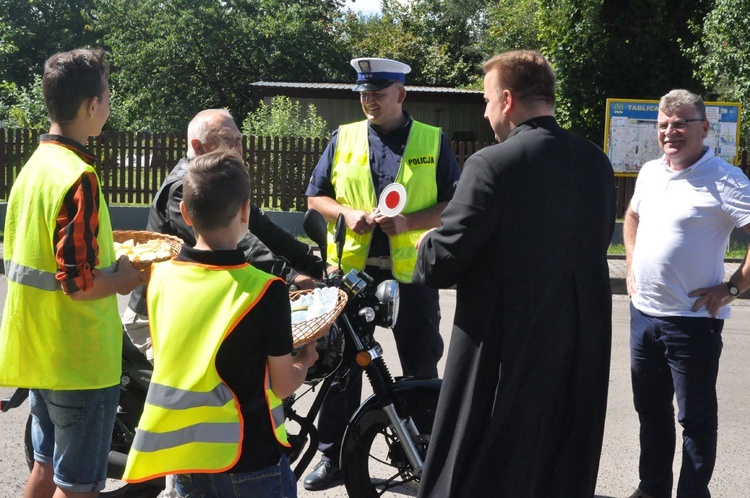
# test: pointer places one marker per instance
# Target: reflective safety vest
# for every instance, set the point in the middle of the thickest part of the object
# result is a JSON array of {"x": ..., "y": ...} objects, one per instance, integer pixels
[
  {"x": 48, "y": 340},
  {"x": 352, "y": 181},
  {"x": 192, "y": 420}
]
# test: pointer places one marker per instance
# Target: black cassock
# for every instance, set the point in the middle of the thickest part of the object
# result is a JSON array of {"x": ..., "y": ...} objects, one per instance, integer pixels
[{"x": 522, "y": 407}]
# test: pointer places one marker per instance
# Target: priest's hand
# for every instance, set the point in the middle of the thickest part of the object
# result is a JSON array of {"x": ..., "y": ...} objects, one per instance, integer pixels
[{"x": 421, "y": 238}]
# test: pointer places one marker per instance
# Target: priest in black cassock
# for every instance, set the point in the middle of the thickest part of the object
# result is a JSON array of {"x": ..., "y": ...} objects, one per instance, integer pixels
[{"x": 522, "y": 407}]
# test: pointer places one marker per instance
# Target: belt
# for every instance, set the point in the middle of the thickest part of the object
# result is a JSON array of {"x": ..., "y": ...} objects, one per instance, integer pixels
[{"x": 382, "y": 262}]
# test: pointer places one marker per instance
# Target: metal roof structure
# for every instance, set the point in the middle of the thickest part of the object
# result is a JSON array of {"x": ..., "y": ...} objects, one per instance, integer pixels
[
  {"x": 344, "y": 90},
  {"x": 348, "y": 86}
]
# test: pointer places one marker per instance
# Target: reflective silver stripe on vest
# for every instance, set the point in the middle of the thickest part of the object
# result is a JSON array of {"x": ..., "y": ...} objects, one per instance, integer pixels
[
  {"x": 199, "y": 433},
  {"x": 278, "y": 415},
  {"x": 38, "y": 279},
  {"x": 181, "y": 399},
  {"x": 24, "y": 275}
]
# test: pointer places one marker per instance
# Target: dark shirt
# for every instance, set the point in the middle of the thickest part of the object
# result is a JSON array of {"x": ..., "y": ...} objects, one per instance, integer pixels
[
  {"x": 266, "y": 245},
  {"x": 241, "y": 360},
  {"x": 386, "y": 151}
]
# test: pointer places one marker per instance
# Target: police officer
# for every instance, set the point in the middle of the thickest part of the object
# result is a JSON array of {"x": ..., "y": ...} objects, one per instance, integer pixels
[{"x": 398, "y": 149}]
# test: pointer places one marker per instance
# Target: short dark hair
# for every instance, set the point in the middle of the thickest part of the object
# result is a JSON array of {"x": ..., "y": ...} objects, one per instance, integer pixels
[
  {"x": 70, "y": 78},
  {"x": 215, "y": 187},
  {"x": 526, "y": 73}
]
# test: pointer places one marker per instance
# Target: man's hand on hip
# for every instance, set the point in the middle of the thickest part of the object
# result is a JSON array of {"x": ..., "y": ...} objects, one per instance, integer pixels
[{"x": 713, "y": 298}]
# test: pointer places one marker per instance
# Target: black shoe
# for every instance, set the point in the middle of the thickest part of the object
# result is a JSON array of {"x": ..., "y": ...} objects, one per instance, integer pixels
[{"x": 323, "y": 476}]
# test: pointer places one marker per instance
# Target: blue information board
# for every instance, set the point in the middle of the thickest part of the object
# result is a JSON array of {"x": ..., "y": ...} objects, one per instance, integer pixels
[{"x": 630, "y": 132}]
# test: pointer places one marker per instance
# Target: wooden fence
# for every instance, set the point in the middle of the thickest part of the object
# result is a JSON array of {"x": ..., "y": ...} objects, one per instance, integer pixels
[{"x": 132, "y": 166}]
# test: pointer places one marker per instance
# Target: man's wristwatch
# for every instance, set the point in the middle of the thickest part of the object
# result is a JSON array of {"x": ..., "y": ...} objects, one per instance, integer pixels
[{"x": 733, "y": 289}]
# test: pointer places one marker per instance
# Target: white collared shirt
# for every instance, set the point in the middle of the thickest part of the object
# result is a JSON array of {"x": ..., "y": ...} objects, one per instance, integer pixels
[{"x": 685, "y": 220}]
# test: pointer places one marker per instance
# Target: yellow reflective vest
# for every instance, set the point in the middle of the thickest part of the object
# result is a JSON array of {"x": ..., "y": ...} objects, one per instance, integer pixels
[
  {"x": 192, "y": 420},
  {"x": 48, "y": 340},
  {"x": 352, "y": 181}
]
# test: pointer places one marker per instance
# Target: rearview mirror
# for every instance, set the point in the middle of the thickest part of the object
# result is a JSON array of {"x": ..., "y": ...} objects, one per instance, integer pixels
[{"x": 316, "y": 228}]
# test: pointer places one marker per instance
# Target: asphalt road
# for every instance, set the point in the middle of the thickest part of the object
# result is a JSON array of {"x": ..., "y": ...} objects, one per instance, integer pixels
[{"x": 618, "y": 474}]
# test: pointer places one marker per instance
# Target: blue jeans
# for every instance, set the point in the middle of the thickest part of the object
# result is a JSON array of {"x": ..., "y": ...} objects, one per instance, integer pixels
[
  {"x": 277, "y": 481},
  {"x": 72, "y": 431},
  {"x": 675, "y": 356}
]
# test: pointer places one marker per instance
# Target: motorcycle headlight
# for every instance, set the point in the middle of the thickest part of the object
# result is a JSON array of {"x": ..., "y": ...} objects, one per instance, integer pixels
[{"x": 387, "y": 295}]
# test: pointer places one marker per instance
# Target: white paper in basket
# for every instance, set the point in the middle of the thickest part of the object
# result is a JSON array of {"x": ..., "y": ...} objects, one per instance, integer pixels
[{"x": 314, "y": 304}]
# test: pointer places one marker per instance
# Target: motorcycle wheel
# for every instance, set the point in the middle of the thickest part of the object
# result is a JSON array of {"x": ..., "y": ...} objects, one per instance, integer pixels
[
  {"x": 377, "y": 463},
  {"x": 115, "y": 487}
]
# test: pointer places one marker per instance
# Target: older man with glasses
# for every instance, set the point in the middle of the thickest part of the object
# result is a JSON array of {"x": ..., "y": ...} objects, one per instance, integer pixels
[{"x": 676, "y": 231}]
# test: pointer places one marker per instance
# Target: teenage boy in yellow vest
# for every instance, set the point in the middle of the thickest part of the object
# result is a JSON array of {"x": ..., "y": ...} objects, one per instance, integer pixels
[
  {"x": 61, "y": 334},
  {"x": 213, "y": 412},
  {"x": 394, "y": 148}
]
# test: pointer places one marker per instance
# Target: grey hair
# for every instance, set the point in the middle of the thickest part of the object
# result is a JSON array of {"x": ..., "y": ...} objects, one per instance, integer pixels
[
  {"x": 678, "y": 98},
  {"x": 199, "y": 127}
]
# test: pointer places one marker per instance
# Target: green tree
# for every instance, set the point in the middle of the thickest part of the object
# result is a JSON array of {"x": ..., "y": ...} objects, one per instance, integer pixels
[
  {"x": 601, "y": 49},
  {"x": 572, "y": 37},
  {"x": 420, "y": 34},
  {"x": 8, "y": 98},
  {"x": 285, "y": 118},
  {"x": 644, "y": 47},
  {"x": 176, "y": 57},
  {"x": 722, "y": 56},
  {"x": 23, "y": 107},
  {"x": 33, "y": 30},
  {"x": 512, "y": 25}
]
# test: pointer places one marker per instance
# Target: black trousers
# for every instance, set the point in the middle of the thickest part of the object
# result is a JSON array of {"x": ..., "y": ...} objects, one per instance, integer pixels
[{"x": 419, "y": 345}]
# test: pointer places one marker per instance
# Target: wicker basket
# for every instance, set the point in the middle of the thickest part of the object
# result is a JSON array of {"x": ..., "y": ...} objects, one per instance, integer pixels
[
  {"x": 140, "y": 236},
  {"x": 315, "y": 328}
]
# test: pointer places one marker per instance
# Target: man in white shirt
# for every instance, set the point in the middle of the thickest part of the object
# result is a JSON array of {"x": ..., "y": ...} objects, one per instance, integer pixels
[{"x": 676, "y": 232}]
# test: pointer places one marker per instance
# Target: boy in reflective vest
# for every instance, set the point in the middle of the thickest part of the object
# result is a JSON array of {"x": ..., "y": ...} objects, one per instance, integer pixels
[
  {"x": 213, "y": 413},
  {"x": 60, "y": 334}
]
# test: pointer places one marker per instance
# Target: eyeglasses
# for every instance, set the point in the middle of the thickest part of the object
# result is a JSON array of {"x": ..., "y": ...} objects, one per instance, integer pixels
[{"x": 677, "y": 124}]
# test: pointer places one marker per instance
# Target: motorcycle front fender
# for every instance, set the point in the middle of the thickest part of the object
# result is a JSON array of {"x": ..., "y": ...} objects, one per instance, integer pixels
[{"x": 408, "y": 392}]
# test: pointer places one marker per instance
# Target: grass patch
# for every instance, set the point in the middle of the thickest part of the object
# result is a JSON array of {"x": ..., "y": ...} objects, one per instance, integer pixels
[
  {"x": 616, "y": 249},
  {"x": 736, "y": 250}
]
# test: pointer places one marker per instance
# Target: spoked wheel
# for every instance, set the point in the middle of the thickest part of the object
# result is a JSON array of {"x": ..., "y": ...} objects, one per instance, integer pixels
[{"x": 375, "y": 462}]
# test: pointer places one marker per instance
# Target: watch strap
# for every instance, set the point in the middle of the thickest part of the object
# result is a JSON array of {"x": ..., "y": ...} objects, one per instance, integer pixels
[{"x": 733, "y": 289}]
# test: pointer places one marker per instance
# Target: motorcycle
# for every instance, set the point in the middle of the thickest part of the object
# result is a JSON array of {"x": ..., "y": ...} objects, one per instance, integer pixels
[{"x": 386, "y": 440}]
